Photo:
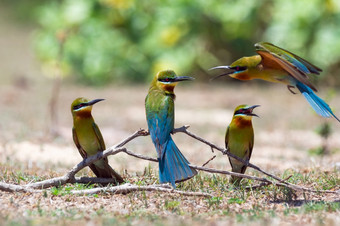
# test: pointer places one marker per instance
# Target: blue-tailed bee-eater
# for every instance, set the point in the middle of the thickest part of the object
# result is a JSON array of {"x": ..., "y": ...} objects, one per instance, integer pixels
[
  {"x": 88, "y": 138},
  {"x": 274, "y": 64},
  {"x": 159, "y": 106},
  {"x": 239, "y": 139}
]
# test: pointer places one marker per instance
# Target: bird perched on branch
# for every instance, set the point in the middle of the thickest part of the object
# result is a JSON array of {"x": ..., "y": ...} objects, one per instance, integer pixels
[
  {"x": 239, "y": 139},
  {"x": 274, "y": 64},
  {"x": 88, "y": 138},
  {"x": 159, "y": 106}
]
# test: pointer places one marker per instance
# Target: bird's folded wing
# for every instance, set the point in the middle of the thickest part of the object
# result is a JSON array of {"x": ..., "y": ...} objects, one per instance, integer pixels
[
  {"x": 99, "y": 136},
  {"x": 161, "y": 123},
  {"x": 227, "y": 138},
  {"x": 76, "y": 141}
]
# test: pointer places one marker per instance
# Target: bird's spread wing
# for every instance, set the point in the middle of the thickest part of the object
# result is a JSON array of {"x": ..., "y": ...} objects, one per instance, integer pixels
[
  {"x": 297, "y": 61},
  {"x": 161, "y": 123},
  {"x": 99, "y": 136},
  {"x": 76, "y": 141},
  {"x": 294, "y": 65}
]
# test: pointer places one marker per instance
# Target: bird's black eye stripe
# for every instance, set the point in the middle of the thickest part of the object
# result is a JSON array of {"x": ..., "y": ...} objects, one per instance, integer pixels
[
  {"x": 241, "y": 111},
  {"x": 166, "y": 79},
  {"x": 239, "y": 68},
  {"x": 78, "y": 106}
]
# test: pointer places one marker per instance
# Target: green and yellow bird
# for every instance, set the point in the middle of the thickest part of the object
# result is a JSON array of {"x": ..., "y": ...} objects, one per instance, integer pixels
[
  {"x": 274, "y": 64},
  {"x": 160, "y": 116},
  {"x": 88, "y": 138},
  {"x": 239, "y": 139}
]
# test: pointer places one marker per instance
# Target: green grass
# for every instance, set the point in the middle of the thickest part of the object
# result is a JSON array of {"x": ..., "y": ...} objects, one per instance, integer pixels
[{"x": 66, "y": 190}]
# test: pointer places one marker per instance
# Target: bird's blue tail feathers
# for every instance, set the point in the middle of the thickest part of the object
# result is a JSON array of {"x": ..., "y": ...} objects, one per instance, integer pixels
[
  {"x": 173, "y": 166},
  {"x": 319, "y": 105}
]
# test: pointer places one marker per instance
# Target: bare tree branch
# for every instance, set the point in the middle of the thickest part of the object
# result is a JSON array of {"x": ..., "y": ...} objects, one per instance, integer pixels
[
  {"x": 288, "y": 185},
  {"x": 184, "y": 129},
  {"x": 210, "y": 170},
  {"x": 122, "y": 189},
  {"x": 70, "y": 176},
  {"x": 16, "y": 188}
]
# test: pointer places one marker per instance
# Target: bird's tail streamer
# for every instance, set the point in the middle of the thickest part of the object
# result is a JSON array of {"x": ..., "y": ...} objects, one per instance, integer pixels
[
  {"x": 319, "y": 105},
  {"x": 173, "y": 166}
]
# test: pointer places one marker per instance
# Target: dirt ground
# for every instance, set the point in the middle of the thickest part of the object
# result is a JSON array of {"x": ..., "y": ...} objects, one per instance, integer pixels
[{"x": 285, "y": 131}]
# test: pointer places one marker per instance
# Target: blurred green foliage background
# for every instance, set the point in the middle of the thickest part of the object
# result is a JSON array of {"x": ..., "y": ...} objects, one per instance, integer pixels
[{"x": 100, "y": 41}]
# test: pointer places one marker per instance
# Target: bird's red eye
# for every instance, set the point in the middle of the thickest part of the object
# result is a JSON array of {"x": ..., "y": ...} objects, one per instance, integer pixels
[
  {"x": 166, "y": 79},
  {"x": 237, "y": 68}
]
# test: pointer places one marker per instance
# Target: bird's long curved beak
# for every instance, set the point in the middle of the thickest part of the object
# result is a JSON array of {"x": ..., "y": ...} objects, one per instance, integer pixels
[
  {"x": 183, "y": 78},
  {"x": 221, "y": 75},
  {"x": 219, "y": 67},
  {"x": 92, "y": 102},
  {"x": 251, "y": 108}
]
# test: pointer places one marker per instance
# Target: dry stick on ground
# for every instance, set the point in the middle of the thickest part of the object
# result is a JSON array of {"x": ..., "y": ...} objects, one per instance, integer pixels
[
  {"x": 263, "y": 184},
  {"x": 127, "y": 188},
  {"x": 121, "y": 189},
  {"x": 69, "y": 177},
  {"x": 16, "y": 188}
]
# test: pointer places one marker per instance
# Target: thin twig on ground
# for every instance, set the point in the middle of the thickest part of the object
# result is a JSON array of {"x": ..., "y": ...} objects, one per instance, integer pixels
[
  {"x": 128, "y": 188},
  {"x": 263, "y": 184}
]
